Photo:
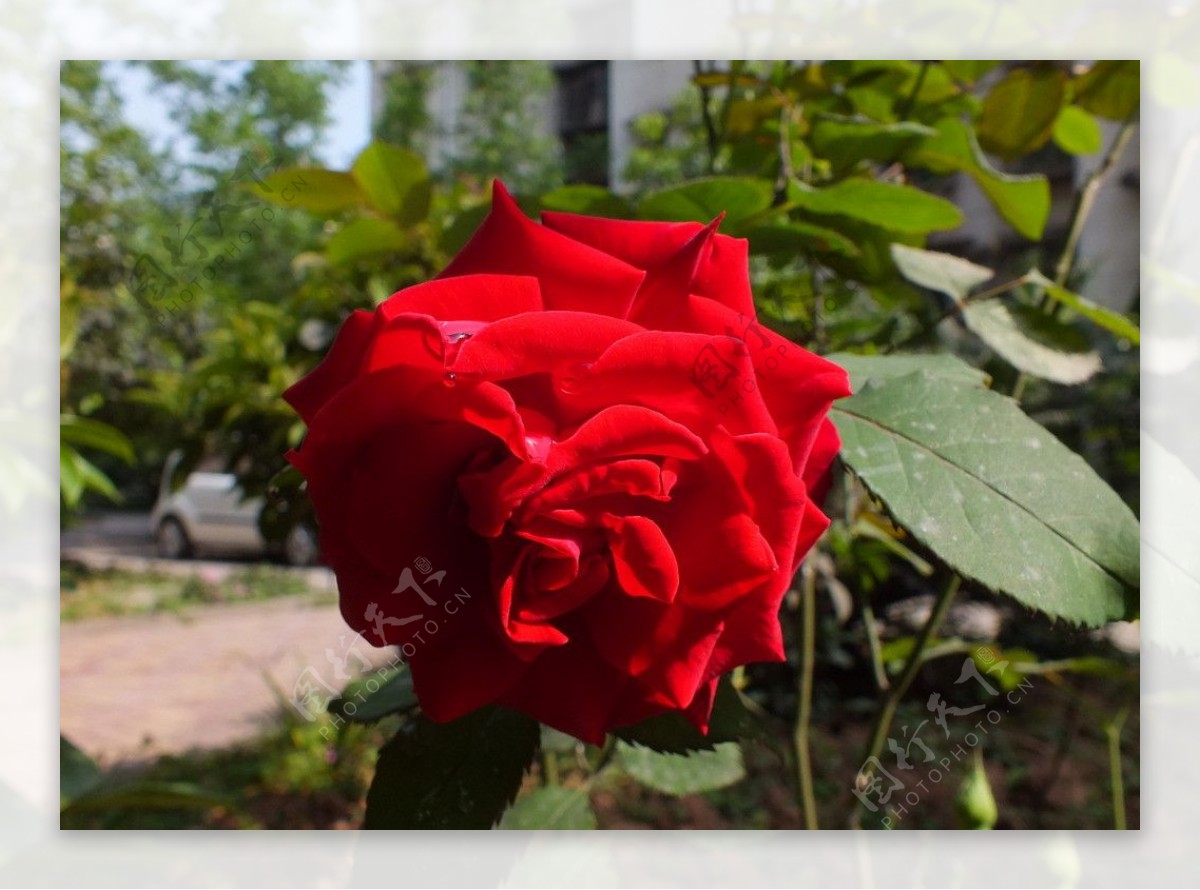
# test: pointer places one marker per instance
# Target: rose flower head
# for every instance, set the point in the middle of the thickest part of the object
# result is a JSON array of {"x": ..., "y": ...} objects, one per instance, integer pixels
[{"x": 572, "y": 475}]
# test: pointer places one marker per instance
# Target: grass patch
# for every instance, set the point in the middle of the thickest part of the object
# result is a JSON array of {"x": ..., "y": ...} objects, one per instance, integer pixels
[{"x": 98, "y": 593}]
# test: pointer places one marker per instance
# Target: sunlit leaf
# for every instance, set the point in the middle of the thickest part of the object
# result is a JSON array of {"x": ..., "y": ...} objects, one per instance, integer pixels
[
  {"x": 1077, "y": 132},
  {"x": 1111, "y": 321},
  {"x": 310, "y": 188},
  {"x": 395, "y": 180},
  {"x": 1033, "y": 342},
  {"x": 942, "y": 272},
  {"x": 702, "y": 200}
]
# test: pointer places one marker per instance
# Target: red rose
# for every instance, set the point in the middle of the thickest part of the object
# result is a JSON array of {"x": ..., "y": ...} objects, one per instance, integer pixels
[{"x": 572, "y": 474}]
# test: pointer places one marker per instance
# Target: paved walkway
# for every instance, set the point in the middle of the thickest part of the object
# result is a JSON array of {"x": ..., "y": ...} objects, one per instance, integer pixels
[{"x": 135, "y": 687}]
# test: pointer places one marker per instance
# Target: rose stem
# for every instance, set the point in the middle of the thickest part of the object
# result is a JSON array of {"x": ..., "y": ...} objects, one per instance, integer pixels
[
  {"x": 806, "y": 638},
  {"x": 887, "y": 710}
]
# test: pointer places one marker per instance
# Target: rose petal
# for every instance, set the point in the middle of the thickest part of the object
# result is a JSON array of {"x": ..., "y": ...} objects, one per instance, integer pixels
[
  {"x": 573, "y": 276},
  {"x": 642, "y": 558},
  {"x": 340, "y": 365},
  {"x": 723, "y": 273}
]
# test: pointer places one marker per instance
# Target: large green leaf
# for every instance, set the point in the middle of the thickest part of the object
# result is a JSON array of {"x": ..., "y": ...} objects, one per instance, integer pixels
[
  {"x": 847, "y": 140},
  {"x": 1024, "y": 201},
  {"x": 310, "y": 188},
  {"x": 1033, "y": 342},
  {"x": 364, "y": 237},
  {"x": 993, "y": 494},
  {"x": 702, "y": 200},
  {"x": 1019, "y": 112},
  {"x": 730, "y": 720},
  {"x": 451, "y": 775},
  {"x": 864, "y": 368},
  {"x": 899, "y": 208},
  {"x": 370, "y": 698},
  {"x": 942, "y": 272},
  {"x": 1111, "y": 321},
  {"x": 680, "y": 774},
  {"x": 395, "y": 180},
  {"x": 552, "y": 807},
  {"x": 1111, "y": 88}
]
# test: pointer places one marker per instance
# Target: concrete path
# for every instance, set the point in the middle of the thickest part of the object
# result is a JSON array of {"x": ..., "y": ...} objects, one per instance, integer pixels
[{"x": 135, "y": 687}]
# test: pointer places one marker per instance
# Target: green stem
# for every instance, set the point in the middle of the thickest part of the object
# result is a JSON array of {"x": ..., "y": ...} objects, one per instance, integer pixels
[
  {"x": 872, "y": 629},
  {"x": 710, "y": 127},
  {"x": 806, "y": 638},
  {"x": 1113, "y": 731},
  {"x": 887, "y": 710},
  {"x": 1085, "y": 199},
  {"x": 904, "y": 110}
]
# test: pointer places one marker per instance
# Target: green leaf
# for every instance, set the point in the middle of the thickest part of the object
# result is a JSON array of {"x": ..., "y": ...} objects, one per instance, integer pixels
[
  {"x": 587, "y": 199},
  {"x": 395, "y": 181},
  {"x": 147, "y": 795},
  {"x": 77, "y": 773},
  {"x": 1077, "y": 132},
  {"x": 680, "y": 774},
  {"x": 460, "y": 774},
  {"x": 84, "y": 432},
  {"x": 364, "y": 237},
  {"x": 942, "y": 272},
  {"x": 702, "y": 200},
  {"x": 993, "y": 494},
  {"x": 1111, "y": 321},
  {"x": 1033, "y": 342},
  {"x": 369, "y": 699},
  {"x": 1111, "y": 89},
  {"x": 1024, "y": 201},
  {"x": 552, "y": 807},
  {"x": 798, "y": 238},
  {"x": 1019, "y": 112},
  {"x": 899, "y": 208},
  {"x": 730, "y": 720},
  {"x": 310, "y": 188},
  {"x": 70, "y": 476},
  {"x": 968, "y": 70},
  {"x": 847, "y": 140},
  {"x": 865, "y": 368}
]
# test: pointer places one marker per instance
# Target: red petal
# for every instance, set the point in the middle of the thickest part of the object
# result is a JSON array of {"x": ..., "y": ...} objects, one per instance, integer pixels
[
  {"x": 340, "y": 365},
  {"x": 642, "y": 558},
  {"x": 572, "y": 275},
  {"x": 723, "y": 273}
]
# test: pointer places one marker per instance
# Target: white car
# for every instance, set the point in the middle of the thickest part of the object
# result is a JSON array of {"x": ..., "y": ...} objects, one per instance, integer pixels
[{"x": 209, "y": 514}]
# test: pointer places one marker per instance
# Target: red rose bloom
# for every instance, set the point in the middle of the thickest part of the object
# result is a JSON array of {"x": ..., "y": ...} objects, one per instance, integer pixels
[{"x": 572, "y": 475}]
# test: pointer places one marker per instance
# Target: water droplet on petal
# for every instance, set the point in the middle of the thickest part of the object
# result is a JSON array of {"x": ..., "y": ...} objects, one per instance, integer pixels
[
  {"x": 450, "y": 379},
  {"x": 458, "y": 336}
]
